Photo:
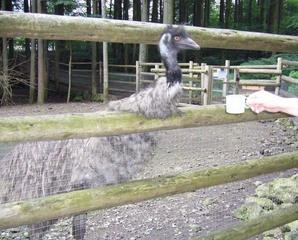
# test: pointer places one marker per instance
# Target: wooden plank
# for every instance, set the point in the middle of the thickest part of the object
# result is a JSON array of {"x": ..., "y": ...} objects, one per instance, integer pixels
[
  {"x": 254, "y": 67},
  {"x": 289, "y": 79},
  {"x": 193, "y": 88},
  {"x": 73, "y": 203},
  {"x": 67, "y": 126},
  {"x": 258, "y": 82},
  {"x": 260, "y": 71},
  {"x": 289, "y": 63},
  {"x": 184, "y": 70},
  {"x": 48, "y": 26},
  {"x": 250, "y": 228}
]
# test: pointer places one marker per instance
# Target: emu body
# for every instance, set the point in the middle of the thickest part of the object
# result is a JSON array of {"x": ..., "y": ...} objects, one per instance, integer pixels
[
  {"x": 161, "y": 98},
  {"x": 37, "y": 169}
]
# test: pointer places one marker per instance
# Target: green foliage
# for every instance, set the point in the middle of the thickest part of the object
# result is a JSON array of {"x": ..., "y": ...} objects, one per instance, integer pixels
[
  {"x": 270, "y": 61},
  {"x": 294, "y": 74},
  {"x": 293, "y": 88},
  {"x": 68, "y": 5}
]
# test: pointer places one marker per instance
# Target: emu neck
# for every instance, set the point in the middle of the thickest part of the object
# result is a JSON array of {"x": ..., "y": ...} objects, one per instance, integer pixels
[{"x": 173, "y": 71}]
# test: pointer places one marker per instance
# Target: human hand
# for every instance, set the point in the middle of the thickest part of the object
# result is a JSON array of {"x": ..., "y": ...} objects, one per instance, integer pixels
[{"x": 264, "y": 101}]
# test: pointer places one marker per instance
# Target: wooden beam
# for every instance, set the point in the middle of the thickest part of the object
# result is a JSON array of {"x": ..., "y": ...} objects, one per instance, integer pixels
[
  {"x": 46, "y": 26},
  {"x": 73, "y": 203},
  {"x": 67, "y": 126},
  {"x": 250, "y": 228}
]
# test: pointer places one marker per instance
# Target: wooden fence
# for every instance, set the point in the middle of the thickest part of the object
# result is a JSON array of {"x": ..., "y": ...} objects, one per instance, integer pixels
[
  {"x": 88, "y": 125},
  {"x": 198, "y": 80},
  {"x": 201, "y": 78},
  {"x": 22, "y": 129}
]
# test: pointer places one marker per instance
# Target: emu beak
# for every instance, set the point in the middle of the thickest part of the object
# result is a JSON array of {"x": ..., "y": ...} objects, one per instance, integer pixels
[{"x": 188, "y": 43}]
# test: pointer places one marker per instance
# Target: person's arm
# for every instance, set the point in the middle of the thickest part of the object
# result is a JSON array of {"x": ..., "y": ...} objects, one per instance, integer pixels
[{"x": 264, "y": 101}]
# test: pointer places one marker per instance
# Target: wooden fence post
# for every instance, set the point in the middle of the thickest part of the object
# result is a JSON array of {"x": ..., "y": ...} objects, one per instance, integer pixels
[
  {"x": 209, "y": 82},
  {"x": 100, "y": 76},
  {"x": 137, "y": 76},
  {"x": 225, "y": 86},
  {"x": 190, "y": 82},
  {"x": 278, "y": 77},
  {"x": 156, "y": 74},
  {"x": 204, "y": 86},
  {"x": 236, "y": 80}
]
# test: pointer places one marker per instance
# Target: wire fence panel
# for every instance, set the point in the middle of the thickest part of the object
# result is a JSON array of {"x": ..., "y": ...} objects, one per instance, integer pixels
[{"x": 36, "y": 169}]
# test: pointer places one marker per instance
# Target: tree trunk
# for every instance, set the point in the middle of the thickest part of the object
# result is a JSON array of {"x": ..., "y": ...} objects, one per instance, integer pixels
[
  {"x": 40, "y": 81},
  {"x": 59, "y": 10},
  {"x": 275, "y": 16},
  {"x": 145, "y": 18},
  {"x": 168, "y": 11},
  {"x": 32, "y": 87},
  {"x": 207, "y": 13},
  {"x": 228, "y": 12},
  {"x": 126, "y": 46},
  {"x": 125, "y": 9},
  {"x": 155, "y": 11},
  {"x": 222, "y": 13},
  {"x": 136, "y": 10},
  {"x": 94, "y": 57},
  {"x": 88, "y": 6},
  {"x": 4, "y": 86},
  {"x": 183, "y": 13},
  {"x": 136, "y": 17},
  {"x": 27, "y": 41},
  {"x": 198, "y": 13},
  {"x": 105, "y": 60}
]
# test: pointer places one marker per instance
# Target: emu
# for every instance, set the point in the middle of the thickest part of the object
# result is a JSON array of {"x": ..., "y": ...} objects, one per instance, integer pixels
[
  {"x": 161, "y": 98},
  {"x": 37, "y": 169}
]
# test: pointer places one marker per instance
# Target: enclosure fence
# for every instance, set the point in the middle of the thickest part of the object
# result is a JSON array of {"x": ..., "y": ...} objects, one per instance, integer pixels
[
  {"x": 46, "y": 167},
  {"x": 203, "y": 84},
  {"x": 60, "y": 166}
]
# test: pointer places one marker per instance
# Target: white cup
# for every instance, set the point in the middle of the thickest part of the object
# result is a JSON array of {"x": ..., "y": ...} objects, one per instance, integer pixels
[{"x": 235, "y": 104}]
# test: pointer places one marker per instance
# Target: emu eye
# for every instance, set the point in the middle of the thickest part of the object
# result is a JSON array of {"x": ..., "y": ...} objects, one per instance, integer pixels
[{"x": 177, "y": 38}]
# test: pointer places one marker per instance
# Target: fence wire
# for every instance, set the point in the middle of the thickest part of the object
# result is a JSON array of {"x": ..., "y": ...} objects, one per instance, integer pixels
[{"x": 36, "y": 169}]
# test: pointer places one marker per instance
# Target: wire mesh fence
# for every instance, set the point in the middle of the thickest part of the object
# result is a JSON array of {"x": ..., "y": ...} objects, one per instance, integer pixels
[{"x": 36, "y": 169}]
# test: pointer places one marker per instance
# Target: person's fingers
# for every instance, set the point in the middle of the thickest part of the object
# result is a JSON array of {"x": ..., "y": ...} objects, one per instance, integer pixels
[{"x": 254, "y": 101}]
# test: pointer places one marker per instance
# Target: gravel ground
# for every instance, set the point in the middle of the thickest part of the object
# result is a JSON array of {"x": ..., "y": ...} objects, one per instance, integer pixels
[{"x": 186, "y": 215}]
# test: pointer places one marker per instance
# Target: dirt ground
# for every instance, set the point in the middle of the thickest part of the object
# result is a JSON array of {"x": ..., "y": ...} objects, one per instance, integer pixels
[{"x": 182, "y": 216}]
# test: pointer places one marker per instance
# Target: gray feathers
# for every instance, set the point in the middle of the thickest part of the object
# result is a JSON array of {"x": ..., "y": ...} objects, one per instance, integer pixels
[
  {"x": 38, "y": 169},
  {"x": 161, "y": 98},
  {"x": 157, "y": 101}
]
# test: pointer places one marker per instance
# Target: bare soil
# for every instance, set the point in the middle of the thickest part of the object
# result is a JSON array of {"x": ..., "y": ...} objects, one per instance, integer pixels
[{"x": 182, "y": 216}]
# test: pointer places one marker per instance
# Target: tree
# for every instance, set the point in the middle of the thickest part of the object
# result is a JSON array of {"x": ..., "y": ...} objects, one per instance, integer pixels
[
  {"x": 168, "y": 11},
  {"x": 198, "y": 13},
  {"x": 33, "y": 61},
  {"x": 42, "y": 56},
  {"x": 228, "y": 12},
  {"x": 155, "y": 11},
  {"x": 207, "y": 8},
  {"x": 145, "y": 18},
  {"x": 275, "y": 9}
]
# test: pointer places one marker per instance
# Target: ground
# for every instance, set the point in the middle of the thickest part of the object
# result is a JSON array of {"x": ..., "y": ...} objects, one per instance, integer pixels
[{"x": 186, "y": 215}]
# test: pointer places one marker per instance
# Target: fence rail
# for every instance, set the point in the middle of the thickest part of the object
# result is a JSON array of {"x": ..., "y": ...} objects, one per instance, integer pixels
[
  {"x": 73, "y": 203},
  {"x": 198, "y": 79}
]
